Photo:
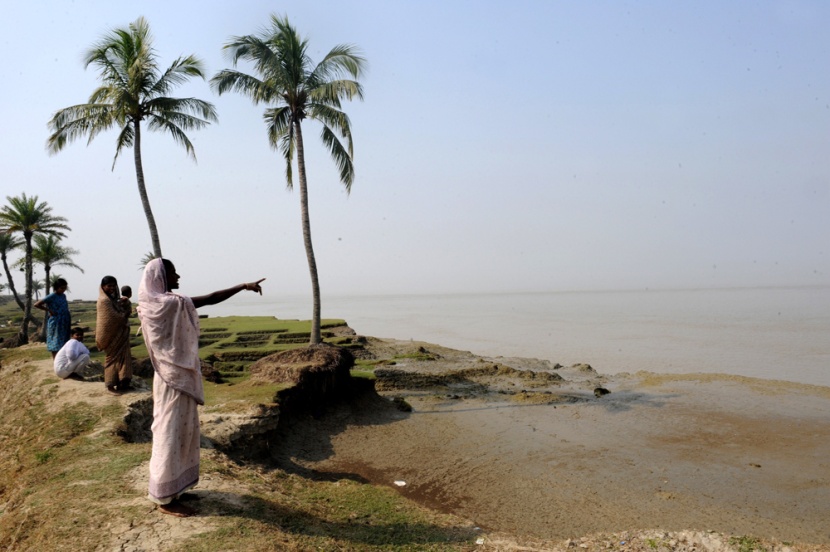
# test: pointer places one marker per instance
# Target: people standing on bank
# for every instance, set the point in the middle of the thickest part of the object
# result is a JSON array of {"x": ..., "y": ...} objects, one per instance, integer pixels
[
  {"x": 112, "y": 334},
  {"x": 59, "y": 320},
  {"x": 73, "y": 357},
  {"x": 170, "y": 325}
]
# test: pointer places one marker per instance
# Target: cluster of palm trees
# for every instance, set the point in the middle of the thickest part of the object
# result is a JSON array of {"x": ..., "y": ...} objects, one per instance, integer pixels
[
  {"x": 27, "y": 224},
  {"x": 134, "y": 94}
]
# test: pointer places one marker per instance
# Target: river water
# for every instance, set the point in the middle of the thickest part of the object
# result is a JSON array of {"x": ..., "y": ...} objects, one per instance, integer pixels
[{"x": 770, "y": 333}]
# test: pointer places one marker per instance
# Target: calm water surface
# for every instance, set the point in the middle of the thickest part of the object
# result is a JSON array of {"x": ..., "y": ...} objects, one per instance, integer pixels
[{"x": 771, "y": 333}]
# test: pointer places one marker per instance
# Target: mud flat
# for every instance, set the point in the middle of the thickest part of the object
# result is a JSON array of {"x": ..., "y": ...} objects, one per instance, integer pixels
[{"x": 527, "y": 448}]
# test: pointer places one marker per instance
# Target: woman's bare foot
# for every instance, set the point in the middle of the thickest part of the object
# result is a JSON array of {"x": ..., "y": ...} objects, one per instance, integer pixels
[{"x": 177, "y": 509}]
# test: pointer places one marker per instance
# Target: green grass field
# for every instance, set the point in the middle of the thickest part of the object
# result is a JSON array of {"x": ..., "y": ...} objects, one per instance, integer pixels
[{"x": 231, "y": 343}]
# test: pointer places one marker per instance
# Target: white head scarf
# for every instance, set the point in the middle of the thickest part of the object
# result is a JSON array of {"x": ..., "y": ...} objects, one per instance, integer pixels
[{"x": 170, "y": 326}]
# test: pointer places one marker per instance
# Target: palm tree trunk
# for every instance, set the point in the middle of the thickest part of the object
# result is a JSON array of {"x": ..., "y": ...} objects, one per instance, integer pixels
[
  {"x": 309, "y": 250},
  {"x": 142, "y": 191},
  {"x": 47, "y": 288},
  {"x": 23, "y": 335},
  {"x": 11, "y": 285}
]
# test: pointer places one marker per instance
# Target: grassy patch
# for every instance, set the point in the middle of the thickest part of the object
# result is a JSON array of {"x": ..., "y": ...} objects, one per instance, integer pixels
[
  {"x": 745, "y": 544},
  {"x": 290, "y": 513},
  {"x": 240, "y": 396},
  {"x": 57, "y": 473},
  {"x": 366, "y": 374}
]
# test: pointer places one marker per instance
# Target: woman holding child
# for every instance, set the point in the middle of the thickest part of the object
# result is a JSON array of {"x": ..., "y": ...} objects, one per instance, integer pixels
[{"x": 112, "y": 334}]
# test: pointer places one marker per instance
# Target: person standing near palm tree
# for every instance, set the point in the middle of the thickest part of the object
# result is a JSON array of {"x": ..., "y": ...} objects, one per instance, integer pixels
[
  {"x": 170, "y": 325},
  {"x": 59, "y": 319},
  {"x": 27, "y": 216},
  {"x": 287, "y": 79},
  {"x": 48, "y": 251},
  {"x": 132, "y": 91},
  {"x": 112, "y": 334}
]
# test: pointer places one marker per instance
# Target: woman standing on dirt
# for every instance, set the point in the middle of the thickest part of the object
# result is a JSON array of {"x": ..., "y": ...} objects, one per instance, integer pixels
[
  {"x": 170, "y": 326},
  {"x": 112, "y": 334},
  {"x": 60, "y": 320}
]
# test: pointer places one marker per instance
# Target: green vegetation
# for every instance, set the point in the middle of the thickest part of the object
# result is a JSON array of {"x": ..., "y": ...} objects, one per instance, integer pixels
[
  {"x": 65, "y": 475},
  {"x": 230, "y": 343},
  {"x": 745, "y": 544}
]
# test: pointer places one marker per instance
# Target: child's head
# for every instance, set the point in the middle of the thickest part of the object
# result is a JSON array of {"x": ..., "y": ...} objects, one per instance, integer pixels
[
  {"x": 126, "y": 291},
  {"x": 59, "y": 285},
  {"x": 77, "y": 333}
]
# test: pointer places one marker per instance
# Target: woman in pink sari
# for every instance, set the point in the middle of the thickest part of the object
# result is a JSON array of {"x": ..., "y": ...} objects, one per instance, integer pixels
[{"x": 170, "y": 326}]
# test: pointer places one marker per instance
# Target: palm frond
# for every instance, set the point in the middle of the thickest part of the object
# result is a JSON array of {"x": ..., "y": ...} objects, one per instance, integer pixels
[
  {"x": 164, "y": 107},
  {"x": 336, "y": 120},
  {"x": 167, "y": 124},
  {"x": 73, "y": 122},
  {"x": 287, "y": 147},
  {"x": 281, "y": 136},
  {"x": 342, "y": 60},
  {"x": 229, "y": 80},
  {"x": 334, "y": 91},
  {"x": 131, "y": 89},
  {"x": 124, "y": 140},
  {"x": 285, "y": 77},
  {"x": 341, "y": 157},
  {"x": 179, "y": 72}
]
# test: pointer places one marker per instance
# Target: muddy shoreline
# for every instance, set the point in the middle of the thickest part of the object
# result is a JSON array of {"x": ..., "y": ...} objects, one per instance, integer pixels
[{"x": 541, "y": 457}]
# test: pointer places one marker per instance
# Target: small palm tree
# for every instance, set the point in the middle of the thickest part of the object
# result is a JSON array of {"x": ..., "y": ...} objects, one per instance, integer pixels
[
  {"x": 25, "y": 215},
  {"x": 37, "y": 287},
  {"x": 297, "y": 89},
  {"x": 133, "y": 90},
  {"x": 9, "y": 242}
]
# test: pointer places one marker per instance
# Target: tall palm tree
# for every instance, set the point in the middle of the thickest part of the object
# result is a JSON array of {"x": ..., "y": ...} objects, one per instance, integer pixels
[
  {"x": 287, "y": 80},
  {"x": 133, "y": 90},
  {"x": 48, "y": 252},
  {"x": 8, "y": 243},
  {"x": 24, "y": 215}
]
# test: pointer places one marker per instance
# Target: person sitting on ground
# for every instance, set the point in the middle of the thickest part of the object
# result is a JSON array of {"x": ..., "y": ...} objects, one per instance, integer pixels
[{"x": 73, "y": 357}]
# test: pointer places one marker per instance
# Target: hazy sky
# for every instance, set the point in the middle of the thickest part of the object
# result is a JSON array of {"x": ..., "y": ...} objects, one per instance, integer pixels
[{"x": 522, "y": 146}]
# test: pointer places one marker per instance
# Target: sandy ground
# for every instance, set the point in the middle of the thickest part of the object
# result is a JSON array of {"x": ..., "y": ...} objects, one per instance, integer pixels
[{"x": 700, "y": 452}]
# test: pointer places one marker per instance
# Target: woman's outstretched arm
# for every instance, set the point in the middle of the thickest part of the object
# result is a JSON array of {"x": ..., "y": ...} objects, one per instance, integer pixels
[{"x": 221, "y": 295}]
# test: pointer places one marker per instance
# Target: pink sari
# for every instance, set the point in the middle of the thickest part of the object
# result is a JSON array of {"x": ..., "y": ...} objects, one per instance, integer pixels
[{"x": 170, "y": 326}]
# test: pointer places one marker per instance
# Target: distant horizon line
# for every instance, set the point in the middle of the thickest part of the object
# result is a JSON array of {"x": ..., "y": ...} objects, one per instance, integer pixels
[{"x": 540, "y": 292}]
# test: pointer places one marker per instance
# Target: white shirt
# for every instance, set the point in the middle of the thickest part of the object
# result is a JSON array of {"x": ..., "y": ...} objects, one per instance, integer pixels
[{"x": 71, "y": 350}]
